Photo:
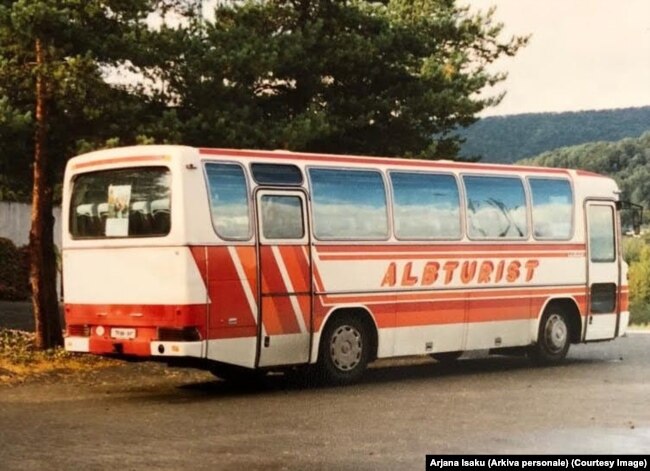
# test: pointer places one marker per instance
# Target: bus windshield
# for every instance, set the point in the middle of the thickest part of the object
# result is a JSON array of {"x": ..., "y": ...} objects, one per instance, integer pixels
[{"x": 133, "y": 202}]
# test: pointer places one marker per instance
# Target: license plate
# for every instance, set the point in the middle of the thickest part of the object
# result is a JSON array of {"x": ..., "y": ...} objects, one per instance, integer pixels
[{"x": 121, "y": 333}]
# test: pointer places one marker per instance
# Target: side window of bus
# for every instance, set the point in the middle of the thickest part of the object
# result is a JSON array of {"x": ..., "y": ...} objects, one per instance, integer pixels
[
  {"x": 552, "y": 208},
  {"x": 282, "y": 217},
  {"x": 349, "y": 204},
  {"x": 602, "y": 234},
  {"x": 229, "y": 201},
  {"x": 496, "y": 208},
  {"x": 276, "y": 174},
  {"x": 426, "y": 206}
]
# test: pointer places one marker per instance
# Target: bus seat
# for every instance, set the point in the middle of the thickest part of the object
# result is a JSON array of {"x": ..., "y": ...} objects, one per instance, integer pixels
[{"x": 161, "y": 216}]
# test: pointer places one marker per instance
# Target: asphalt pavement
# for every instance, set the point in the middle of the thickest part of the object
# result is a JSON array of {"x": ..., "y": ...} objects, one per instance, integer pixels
[{"x": 147, "y": 416}]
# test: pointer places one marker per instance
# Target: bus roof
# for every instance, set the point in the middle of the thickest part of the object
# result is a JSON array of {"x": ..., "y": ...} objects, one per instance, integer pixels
[
  {"x": 150, "y": 153},
  {"x": 388, "y": 161}
]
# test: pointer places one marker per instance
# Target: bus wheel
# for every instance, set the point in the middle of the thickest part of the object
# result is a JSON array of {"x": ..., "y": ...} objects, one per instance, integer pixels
[
  {"x": 236, "y": 374},
  {"x": 553, "y": 338},
  {"x": 344, "y": 350},
  {"x": 446, "y": 357}
]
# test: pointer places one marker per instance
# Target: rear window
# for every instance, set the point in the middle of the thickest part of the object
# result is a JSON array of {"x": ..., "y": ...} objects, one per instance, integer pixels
[{"x": 133, "y": 202}]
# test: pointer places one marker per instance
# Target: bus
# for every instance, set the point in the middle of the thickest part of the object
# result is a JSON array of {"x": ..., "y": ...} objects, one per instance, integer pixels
[{"x": 248, "y": 261}]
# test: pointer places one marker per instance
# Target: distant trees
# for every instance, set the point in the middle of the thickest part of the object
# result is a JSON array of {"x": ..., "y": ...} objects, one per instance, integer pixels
[
  {"x": 507, "y": 139},
  {"x": 627, "y": 161},
  {"x": 392, "y": 77},
  {"x": 53, "y": 98}
]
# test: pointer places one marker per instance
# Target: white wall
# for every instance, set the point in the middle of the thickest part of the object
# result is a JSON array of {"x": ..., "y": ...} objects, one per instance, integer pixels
[{"x": 15, "y": 221}]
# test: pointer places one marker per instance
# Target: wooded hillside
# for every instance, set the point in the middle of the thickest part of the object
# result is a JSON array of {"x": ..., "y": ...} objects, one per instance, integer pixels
[
  {"x": 627, "y": 161},
  {"x": 507, "y": 139}
]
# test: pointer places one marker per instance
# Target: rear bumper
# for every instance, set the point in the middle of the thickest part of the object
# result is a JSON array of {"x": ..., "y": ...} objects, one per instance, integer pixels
[
  {"x": 77, "y": 344},
  {"x": 178, "y": 349},
  {"x": 156, "y": 330},
  {"x": 135, "y": 348}
]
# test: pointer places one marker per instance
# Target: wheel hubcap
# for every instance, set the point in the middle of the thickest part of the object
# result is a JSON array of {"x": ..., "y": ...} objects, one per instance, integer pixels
[
  {"x": 556, "y": 333},
  {"x": 346, "y": 347}
]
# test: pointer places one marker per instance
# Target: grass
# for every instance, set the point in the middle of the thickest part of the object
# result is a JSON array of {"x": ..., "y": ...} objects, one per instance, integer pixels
[
  {"x": 639, "y": 327},
  {"x": 20, "y": 360}
]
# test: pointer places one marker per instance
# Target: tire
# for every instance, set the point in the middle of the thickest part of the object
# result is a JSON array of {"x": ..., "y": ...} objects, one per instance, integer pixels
[
  {"x": 446, "y": 357},
  {"x": 344, "y": 350},
  {"x": 237, "y": 374},
  {"x": 553, "y": 338}
]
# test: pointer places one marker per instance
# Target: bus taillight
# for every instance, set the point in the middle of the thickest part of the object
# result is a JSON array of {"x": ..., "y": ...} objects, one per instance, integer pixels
[{"x": 79, "y": 331}]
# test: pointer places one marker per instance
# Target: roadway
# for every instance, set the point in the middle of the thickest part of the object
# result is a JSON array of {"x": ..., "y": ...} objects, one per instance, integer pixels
[{"x": 145, "y": 416}]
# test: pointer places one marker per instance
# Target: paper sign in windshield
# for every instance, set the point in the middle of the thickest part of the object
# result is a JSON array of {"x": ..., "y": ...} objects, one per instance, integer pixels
[{"x": 119, "y": 198}]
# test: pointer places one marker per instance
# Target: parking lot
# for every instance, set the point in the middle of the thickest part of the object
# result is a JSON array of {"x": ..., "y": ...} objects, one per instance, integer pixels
[{"x": 138, "y": 416}]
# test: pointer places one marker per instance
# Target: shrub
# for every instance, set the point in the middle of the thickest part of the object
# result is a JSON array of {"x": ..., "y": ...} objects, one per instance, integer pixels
[
  {"x": 632, "y": 247},
  {"x": 14, "y": 271},
  {"x": 639, "y": 313}
]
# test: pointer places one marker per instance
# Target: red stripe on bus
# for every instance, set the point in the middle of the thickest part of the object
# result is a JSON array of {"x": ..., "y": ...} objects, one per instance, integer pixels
[
  {"x": 319, "y": 312},
  {"x": 271, "y": 278},
  {"x": 445, "y": 248},
  {"x": 586, "y": 173},
  {"x": 272, "y": 284},
  {"x": 461, "y": 311},
  {"x": 318, "y": 281},
  {"x": 406, "y": 256},
  {"x": 305, "y": 306},
  {"x": 297, "y": 267},
  {"x": 271, "y": 316},
  {"x": 498, "y": 293},
  {"x": 248, "y": 258},
  {"x": 200, "y": 258},
  {"x": 624, "y": 300},
  {"x": 137, "y": 315},
  {"x": 430, "y": 313},
  {"x": 229, "y": 306}
]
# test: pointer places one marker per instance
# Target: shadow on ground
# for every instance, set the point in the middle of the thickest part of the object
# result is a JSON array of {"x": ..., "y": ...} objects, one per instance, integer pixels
[{"x": 400, "y": 372}]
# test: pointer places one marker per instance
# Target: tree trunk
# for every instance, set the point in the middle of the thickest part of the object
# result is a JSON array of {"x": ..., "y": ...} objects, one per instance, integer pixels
[{"x": 42, "y": 268}]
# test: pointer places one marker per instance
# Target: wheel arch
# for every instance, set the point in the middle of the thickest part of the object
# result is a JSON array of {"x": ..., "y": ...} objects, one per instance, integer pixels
[
  {"x": 570, "y": 307},
  {"x": 358, "y": 310}
]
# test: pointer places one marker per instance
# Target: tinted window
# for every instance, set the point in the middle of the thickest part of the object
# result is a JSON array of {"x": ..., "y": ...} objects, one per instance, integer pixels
[
  {"x": 282, "y": 217},
  {"x": 273, "y": 174},
  {"x": 348, "y": 204},
  {"x": 496, "y": 208},
  {"x": 552, "y": 208},
  {"x": 601, "y": 234},
  {"x": 603, "y": 298},
  {"x": 425, "y": 206},
  {"x": 133, "y": 202},
  {"x": 228, "y": 201}
]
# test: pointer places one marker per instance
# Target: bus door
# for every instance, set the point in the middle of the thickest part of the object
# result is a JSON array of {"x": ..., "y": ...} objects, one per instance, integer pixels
[
  {"x": 603, "y": 270},
  {"x": 284, "y": 335}
]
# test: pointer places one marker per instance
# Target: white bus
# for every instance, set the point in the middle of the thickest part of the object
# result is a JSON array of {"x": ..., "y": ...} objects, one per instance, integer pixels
[{"x": 240, "y": 261}]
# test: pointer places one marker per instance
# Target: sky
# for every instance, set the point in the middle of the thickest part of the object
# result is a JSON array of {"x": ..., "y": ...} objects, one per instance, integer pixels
[{"x": 582, "y": 54}]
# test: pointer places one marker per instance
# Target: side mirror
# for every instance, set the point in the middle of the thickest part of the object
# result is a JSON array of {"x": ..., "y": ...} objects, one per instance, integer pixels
[{"x": 636, "y": 215}]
